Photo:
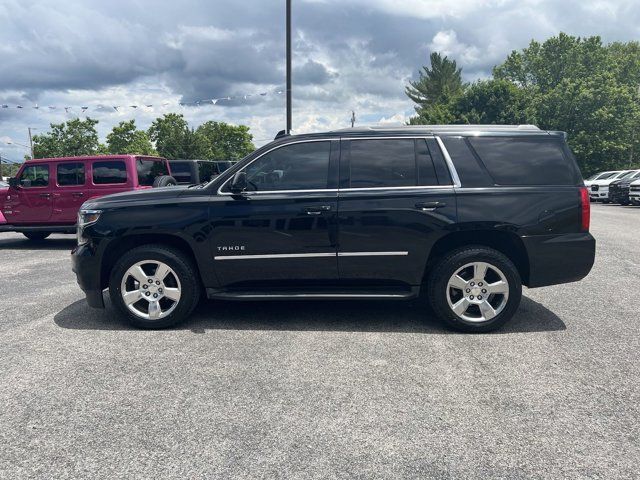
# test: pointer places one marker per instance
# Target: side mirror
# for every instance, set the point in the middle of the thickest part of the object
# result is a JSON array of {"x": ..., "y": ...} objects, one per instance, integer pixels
[
  {"x": 239, "y": 183},
  {"x": 14, "y": 182}
]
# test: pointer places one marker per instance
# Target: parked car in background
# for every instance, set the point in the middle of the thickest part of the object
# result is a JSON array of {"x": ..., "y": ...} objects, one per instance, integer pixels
[
  {"x": 619, "y": 189},
  {"x": 599, "y": 189},
  {"x": 3, "y": 184},
  {"x": 194, "y": 172},
  {"x": 634, "y": 192},
  {"x": 47, "y": 193},
  {"x": 599, "y": 176},
  {"x": 465, "y": 214}
]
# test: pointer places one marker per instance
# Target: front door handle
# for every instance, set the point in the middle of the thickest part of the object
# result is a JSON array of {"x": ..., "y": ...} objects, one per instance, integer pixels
[
  {"x": 78, "y": 194},
  {"x": 45, "y": 195},
  {"x": 317, "y": 210},
  {"x": 430, "y": 206}
]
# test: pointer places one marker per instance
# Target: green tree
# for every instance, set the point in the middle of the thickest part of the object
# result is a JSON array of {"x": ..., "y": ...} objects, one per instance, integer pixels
[
  {"x": 226, "y": 142},
  {"x": 126, "y": 138},
  {"x": 75, "y": 137},
  {"x": 174, "y": 139},
  {"x": 436, "y": 85}
]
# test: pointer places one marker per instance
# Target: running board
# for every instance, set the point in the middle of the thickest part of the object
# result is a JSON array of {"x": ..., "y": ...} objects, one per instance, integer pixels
[{"x": 322, "y": 294}]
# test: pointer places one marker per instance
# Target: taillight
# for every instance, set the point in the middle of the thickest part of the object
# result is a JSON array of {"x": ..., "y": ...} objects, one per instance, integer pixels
[{"x": 586, "y": 208}]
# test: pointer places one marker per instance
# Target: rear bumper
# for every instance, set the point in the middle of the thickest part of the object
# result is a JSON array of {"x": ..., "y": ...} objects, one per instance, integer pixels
[
  {"x": 86, "y": 266},
  {"x": 555, "y": 259}
]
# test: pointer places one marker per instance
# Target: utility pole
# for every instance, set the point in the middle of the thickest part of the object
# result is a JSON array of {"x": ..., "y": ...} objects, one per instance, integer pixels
[
  {"x": 288, "y": 42},
  {"x": 31, "y": 143},
  {"x": 0, "y": 167},
  {"x": 353, "y": 118}
]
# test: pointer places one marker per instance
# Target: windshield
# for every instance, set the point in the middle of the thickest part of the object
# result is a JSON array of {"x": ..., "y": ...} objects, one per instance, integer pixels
[
  {"x": 626, "y": 175},
  {"x": 604, "y": 176}
]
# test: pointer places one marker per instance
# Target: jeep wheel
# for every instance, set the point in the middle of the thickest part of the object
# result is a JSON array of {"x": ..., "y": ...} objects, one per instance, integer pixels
[
  {"x": 475, "y": 289},
  {"x": 36, "y": 236},
  {"x": 154, "y": 286},
  {"x": 164, "y": 181}
]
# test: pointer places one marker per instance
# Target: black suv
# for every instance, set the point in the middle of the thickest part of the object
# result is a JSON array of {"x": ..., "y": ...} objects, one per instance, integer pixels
[{"x": 464, "y": 214}]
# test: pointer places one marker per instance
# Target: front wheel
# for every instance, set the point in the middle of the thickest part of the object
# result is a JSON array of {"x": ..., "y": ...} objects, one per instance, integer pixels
[
  {"x": 474, "y": 289},
  {"x": 36, "y": 236},
  {"x": 154, "y": 286}
]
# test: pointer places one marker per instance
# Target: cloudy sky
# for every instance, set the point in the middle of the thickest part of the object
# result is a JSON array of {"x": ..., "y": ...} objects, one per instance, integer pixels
[{"x": 348, "y": 54}]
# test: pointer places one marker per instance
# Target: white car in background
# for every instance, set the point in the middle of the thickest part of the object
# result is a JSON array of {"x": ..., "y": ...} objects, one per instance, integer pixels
[
  {"x": 599, "y": 176},
  {"x": 599, "y": 187}
]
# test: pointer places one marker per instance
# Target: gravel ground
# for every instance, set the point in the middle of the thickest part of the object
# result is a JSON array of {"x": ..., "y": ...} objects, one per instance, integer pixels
[{"x": 321, "y": 390}]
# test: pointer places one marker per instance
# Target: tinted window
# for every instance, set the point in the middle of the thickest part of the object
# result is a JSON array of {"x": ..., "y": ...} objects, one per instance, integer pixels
[
  {"x": 181, "y": 171},
  {"x": 442, "y": 170},
  {"x": 70, "y": 174},
  {"x": 113, "y": 171},
  {"x": 35, "y": 176},
  {"x": 301, "y": 166},
  {"x": 382, "y": 163},
  {"x": 148, "y": 170},
  {"x": 426, "y": 169},
  {"x": 471, "y": 173},
  {"x": 207, "y": 170},
  {"x": 524, "y": 161}
]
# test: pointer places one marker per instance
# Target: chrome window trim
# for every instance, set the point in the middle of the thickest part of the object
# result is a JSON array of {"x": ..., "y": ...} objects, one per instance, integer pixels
[
  {"x": 313, "y": 140},
  {"x": 449, "y": 162},
  {"x": 445, "y": 154},
  {"x": 276, "y": 256}
]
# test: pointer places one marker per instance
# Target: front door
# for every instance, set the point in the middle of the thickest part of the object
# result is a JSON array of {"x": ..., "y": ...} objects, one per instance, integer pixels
[
  {"x": 32, "y": 201},
  {"x": 395, "y": 201},
  {"x": 69, "y": 194},
  {"x": 281, "y": 232}
]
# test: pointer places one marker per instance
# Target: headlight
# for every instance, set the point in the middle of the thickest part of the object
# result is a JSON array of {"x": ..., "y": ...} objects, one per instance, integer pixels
[{"x": 86, "y": 217}]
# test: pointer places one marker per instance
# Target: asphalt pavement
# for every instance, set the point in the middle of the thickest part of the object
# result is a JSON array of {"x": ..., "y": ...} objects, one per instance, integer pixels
[{"x": 321, "y": 389}]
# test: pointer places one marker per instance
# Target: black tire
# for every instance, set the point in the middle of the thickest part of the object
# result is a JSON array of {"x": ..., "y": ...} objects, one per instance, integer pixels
[
  {"x": 164, "y": 181},
  {"x": 438, "y": 279},
  {"x": 185, "y": 271},
  {"x": 36, "y": 236}
]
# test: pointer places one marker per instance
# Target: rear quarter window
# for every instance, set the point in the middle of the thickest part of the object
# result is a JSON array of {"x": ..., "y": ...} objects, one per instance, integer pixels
[
  {"x": 148, "y": 170},
  {"x": 525, "y": 161},
  {"x": 109, "y": 172}
]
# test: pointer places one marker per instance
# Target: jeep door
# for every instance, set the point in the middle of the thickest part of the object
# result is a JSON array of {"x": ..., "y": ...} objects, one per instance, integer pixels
[
  {"x": 32, "y": 201},
  {"x": 281, "y": 231},
  {"x": 396, "y": 199},
  {"x": 69, "y": 194}
]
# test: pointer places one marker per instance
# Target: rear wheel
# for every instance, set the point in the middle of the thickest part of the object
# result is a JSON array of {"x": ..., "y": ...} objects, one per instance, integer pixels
[
  {"x": 154, "y": 286},
  {"x": 474, "y": 289},
  {"x": 36, "y": 236}
]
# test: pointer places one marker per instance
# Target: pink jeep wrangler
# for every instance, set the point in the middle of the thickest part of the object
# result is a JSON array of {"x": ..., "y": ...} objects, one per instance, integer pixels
[{"x": 46, "y": 194}]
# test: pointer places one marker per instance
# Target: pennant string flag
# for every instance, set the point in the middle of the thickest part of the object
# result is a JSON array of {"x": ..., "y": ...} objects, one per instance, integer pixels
[{"x": 116, "y": 108}]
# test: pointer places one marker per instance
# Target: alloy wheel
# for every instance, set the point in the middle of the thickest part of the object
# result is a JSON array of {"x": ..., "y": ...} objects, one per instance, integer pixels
[{"x": 150, "y": 289}]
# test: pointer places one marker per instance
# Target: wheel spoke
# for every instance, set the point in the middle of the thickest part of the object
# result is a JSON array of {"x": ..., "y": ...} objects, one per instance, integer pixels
[
  {"x": 154, "y": 310},
  {"x": 172, "y": 294},
  {"x": 137, "y": 273},
  {"x": 487, "y": 310},
  {"x": 458, "y": 282},
  {"x": 479, "y": 270},
  {"x": 498, "y": 287},
  {"x": 132, "y": 297},
  {"x": 461, "y": 306},
  {"x": 162, "y": 271}
]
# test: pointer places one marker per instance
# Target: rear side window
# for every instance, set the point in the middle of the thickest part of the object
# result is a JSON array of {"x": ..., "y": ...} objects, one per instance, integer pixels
[
  {"x": 382, "y": 163},
  {"x": 148, "y": 170},
  {"x": 70, "y": 174},
  {"x": 109, "y": 172},
  {"x": 181, "y": 171},
  {"x": 35, "y": 176},
  {"x": 524, "y": 161}
]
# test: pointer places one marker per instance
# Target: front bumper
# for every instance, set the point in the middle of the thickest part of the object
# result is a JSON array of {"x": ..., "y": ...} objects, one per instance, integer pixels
[
  {"x": 555, "y": 259},
  {"x": 86, "y": 266}
]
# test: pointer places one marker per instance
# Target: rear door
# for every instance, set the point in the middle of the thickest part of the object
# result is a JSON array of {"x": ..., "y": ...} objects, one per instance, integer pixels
[
  {"x": 396, "y": 199},
  {"x": 32, "y": 201},
  {"x": 108, "y": 176},
  {"x": 69, "y": 194}
]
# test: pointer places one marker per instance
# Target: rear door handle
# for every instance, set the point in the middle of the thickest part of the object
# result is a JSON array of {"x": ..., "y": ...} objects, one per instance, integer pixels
[
  {"x": 45, "y": 195},
  {"x": 317, "y": 210},
  {"x": 430, "y": 206},
  {"x": 78, "y": 194}
]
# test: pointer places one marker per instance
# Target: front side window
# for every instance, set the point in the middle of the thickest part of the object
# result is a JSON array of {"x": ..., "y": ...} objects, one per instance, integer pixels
[
  {"x": 70, "y": 174},
  {"x": 109, "y": 172},
  {"x": 384, "y": 163},
  {"x": 148, "y": 170},
  {"x": 35, "y": 176},
  {"x": 300, "y": 166}
]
